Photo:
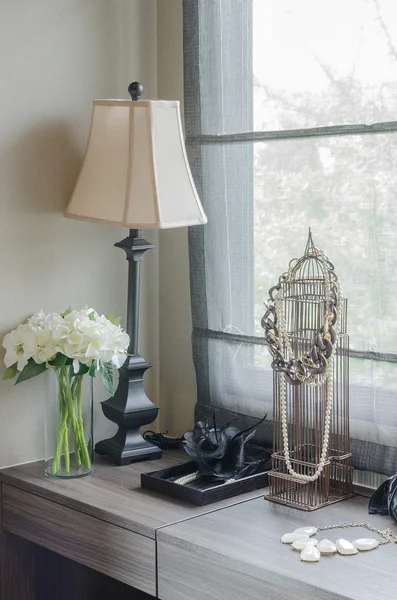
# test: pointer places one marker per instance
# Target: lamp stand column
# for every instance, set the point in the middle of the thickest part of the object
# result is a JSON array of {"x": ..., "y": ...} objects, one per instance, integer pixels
[{"x": 130, "y": 408}]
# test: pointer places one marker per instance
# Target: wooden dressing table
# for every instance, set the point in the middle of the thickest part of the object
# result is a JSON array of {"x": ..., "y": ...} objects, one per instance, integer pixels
[{"x": 104, "y": 537}]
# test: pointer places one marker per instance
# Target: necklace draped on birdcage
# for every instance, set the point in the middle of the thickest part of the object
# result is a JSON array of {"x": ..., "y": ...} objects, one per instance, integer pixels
[
  {"x": 313, "y": 363},
  {"x": 303, "y": 324}
]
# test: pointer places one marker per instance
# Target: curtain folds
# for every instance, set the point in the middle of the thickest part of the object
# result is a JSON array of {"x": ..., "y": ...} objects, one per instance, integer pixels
[{"x": 261, "y": 190}]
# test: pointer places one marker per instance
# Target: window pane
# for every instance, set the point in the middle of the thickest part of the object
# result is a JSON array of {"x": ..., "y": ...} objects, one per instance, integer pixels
[
  {"x": 344, "y": 188},
  {"x": 324, "y": 63}
]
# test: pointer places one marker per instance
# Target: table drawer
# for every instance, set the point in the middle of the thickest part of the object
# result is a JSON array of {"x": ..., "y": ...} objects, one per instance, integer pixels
[{"x": 122, "y": 554}]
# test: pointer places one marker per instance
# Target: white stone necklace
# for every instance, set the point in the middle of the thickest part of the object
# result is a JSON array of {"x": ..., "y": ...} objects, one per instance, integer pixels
[{"x": 311, "y": 550}]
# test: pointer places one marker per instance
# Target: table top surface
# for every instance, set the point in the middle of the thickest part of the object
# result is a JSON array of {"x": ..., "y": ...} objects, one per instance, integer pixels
[
  {"x": 246, "y": 538},
  {"x": 114, "y": 494}
]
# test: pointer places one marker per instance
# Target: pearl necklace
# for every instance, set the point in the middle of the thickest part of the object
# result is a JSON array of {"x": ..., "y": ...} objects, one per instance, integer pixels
[
  {"x": 327, "y": 426},
  {"x": 311, "y": 550}
]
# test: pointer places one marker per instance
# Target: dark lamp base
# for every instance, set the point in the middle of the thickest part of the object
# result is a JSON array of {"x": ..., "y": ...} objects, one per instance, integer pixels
[
  {"x": 124, "y": 455},
  {"x": 130, "y": 409}
]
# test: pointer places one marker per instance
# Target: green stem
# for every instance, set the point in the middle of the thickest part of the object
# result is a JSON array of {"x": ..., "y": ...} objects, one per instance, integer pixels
[
  {"x": 77, "y": 444},
  {"x": 61, "y": 432},
  {"x": 66, "y": 445},
  {"x": 71, "y": 411},
  {"x": 83, "y": 445},
  {"x": 74, "y": 421}
]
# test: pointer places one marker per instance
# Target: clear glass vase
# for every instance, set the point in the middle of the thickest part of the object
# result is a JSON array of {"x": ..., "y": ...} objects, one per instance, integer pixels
[{"x": 69, "y": 424}]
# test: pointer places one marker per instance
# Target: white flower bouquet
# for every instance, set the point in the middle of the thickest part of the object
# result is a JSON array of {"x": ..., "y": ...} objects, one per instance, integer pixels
[{"x": 73, "y": 344}]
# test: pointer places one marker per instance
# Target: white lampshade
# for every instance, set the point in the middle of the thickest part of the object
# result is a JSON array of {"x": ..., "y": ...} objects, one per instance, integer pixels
[{"x": 135, "y": 172}]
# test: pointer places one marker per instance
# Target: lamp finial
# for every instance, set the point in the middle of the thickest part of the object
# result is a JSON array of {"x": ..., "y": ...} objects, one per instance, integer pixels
[{"x": 135, "y": 90}]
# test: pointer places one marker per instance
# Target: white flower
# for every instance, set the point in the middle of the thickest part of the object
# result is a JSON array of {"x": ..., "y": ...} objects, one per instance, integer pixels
[
  {"x": 83, "y": 336},
  {"x": 37, "y": 320},
  {"x": 118, "y": 359},
  {"x": 20, "y": 345}
]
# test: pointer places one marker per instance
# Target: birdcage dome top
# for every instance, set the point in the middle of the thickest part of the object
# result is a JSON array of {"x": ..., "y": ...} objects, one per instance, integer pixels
[{"x": 309, "y": 267}]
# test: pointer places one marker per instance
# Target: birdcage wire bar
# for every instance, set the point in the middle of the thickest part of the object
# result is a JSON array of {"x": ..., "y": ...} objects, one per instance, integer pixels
[{"x": 305, "y": 307}]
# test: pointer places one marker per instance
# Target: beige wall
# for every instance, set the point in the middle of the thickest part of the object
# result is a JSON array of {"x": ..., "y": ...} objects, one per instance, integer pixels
[
  {"x": 55, "y": 57},
  {"x": 177, "y": 377}
]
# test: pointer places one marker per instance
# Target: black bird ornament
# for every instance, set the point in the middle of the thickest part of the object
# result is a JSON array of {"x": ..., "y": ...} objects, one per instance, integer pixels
[{"x": 222, "y": 453}]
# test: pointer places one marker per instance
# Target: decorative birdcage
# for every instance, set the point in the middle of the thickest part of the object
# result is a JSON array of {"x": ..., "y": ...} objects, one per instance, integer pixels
[{"x": 305, "y": 327}]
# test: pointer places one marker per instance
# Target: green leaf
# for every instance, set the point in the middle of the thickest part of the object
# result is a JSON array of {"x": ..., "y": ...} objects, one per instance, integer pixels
[
  {"x": 107, "y": 376},
  {"x": 93, "y": 369},
  {"x": 66, "y": 312},
  {"x": 91, "y": 316},
  {"x": 10, "y": 372},
  {"x": 59, "y": 361},
  {"x": 30, "y": 370},
  {"x": 83, "y": 370},
  {"x": 115, "y": 320}
]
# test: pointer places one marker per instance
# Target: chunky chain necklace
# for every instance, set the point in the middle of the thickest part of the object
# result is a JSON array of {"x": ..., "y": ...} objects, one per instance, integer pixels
[{"x": 315, "y": 367}]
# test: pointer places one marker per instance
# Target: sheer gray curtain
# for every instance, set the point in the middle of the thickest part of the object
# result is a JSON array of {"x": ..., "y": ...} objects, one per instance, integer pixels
[{"x": 273, "y": 115}]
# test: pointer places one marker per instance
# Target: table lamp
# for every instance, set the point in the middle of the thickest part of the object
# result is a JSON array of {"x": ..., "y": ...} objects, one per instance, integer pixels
[{"x": 135, "y": 175}]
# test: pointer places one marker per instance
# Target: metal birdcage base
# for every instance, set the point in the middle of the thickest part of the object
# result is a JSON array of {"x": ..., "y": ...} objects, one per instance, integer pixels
[
  {"x": 307, "y": 508},
  {"x": 335, "y": 483}
]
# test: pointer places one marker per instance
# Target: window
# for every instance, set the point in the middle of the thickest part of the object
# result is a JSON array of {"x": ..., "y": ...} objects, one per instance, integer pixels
[{"x": 289, "y": 119}]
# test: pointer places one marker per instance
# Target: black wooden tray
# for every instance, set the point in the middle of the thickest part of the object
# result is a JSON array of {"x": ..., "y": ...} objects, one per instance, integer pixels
[{"x": 198, "y": 493}]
